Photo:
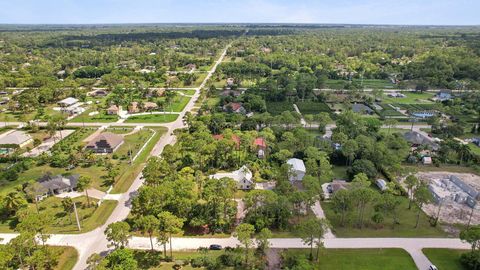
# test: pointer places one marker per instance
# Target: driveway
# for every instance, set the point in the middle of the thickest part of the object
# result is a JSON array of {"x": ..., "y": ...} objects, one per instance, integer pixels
[{"x": 49, "y": 143}]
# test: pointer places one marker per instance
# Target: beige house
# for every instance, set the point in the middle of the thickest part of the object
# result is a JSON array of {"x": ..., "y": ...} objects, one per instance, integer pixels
[
  {"x": 15, "y": 137},
  {"x": 113, "y": 110}
]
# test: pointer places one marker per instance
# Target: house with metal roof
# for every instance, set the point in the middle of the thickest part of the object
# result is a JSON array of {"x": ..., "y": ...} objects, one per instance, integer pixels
[
  {"x": 15, "y": 139},
  {"x": 297, "y": 169},
  {"x": 67, "y": 102},
  {"x": 243, "y": 177}
]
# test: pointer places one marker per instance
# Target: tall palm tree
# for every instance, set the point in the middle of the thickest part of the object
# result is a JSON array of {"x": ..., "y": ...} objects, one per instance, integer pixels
[{"x": 13, "y": 202}]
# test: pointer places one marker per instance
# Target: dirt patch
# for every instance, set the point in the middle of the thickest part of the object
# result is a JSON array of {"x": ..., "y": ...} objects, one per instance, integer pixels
[{"x": 452, "y": 212}]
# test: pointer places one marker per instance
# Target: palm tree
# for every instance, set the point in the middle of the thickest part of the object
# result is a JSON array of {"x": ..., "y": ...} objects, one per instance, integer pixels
[
  {"x": 13, "y": 201},
  {"x": 84, "y": 184}
]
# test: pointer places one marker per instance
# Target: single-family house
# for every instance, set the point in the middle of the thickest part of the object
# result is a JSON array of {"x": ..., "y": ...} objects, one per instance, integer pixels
[
  {"x": 397, "y": 95},
  {"x": 57, "y": 184},
  {"x": 235, "y": 107},
  {"x": 381, "y": 184},
  {"x": 106, "y": 142},
  {"x": 15, "y": 139},
  {"x": 362, "y": 109},
  {"x": 230, "y": 82},
  {"x": 113, "y": 110},
  {"x": 261, "y": 147},
  {"x": 426, "y": 160},
  {"x": 98, "y": 93},
  {"x": 297, "y": 169},
  {"x": 67, "y": 102},
  {"x": 424, "y": 114},
  {"x": 476, "y": 141},
  {"x": 243, "y": 177},
  {"x": 150, "y": 106},
  {"x": 234, "y": 138},
  {"x": 3, "y": 93},
  {"x": 133, "y": 108},
  {"x": 416, "y": 139},
  {"x": 444, "y": 95}
]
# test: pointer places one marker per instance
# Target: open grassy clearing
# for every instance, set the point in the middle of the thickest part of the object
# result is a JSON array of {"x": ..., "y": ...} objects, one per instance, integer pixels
[
  {"x": 445, "y": 258},
  {"x": 67, "y": 259},
  {"x": 128, "y": 173},
  {"x": 189, "y": 92},
  {"x": 366, "y": 83},
  {"x": 407, "y": 219},
  {"x": 101, "y": 117},
  {"x": 310, "y": 107},
  {"x": 61, "y": 222},
  {"x": 152, "y": 118},
  {"x": 443, "y": 168},
  {"x": 360, "y": 259},
  {"x": 411, "y": 98},
  {"x": 146, "y": 260},
  {"x": 276, "y": 108},
  {"x": 475, "y": 149}
]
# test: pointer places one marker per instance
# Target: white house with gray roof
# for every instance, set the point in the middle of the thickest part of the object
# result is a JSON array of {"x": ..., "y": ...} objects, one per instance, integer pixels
[{"x": 243, "y": 177}]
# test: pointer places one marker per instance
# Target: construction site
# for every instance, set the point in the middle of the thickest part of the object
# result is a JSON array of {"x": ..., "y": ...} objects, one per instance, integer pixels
[{"x": 455, "y": 196}]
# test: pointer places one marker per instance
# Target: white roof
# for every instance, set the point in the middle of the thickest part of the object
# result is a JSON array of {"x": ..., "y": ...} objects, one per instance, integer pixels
[
  {"x": 297, "y": 164},
  {"x": 14, "y": 137},
  {"x": 68, "y": 101},
  {"x": 238, "y": 175}
]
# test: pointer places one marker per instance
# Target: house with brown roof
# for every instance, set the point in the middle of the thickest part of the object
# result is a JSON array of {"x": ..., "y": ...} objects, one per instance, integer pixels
[
  {"x": 113, "y": 110},
  {"x": 235, "y": 107},
  {"x": 149, "y": 106},
  {"x": 133, "y": 107},
  {"x": 261, "y": 145},
  {"x": 106, "y": 142}
]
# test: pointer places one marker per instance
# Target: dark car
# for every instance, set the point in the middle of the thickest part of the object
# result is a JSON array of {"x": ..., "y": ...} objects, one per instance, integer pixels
[{"x": 215, "y": 247}]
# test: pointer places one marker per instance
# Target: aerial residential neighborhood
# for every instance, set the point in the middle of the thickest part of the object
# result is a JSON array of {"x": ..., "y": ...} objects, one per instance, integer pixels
[{"x": 239, "y": 135}]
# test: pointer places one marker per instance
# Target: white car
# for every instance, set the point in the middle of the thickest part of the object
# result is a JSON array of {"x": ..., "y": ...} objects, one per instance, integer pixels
[{"x": 432, "y": 267}]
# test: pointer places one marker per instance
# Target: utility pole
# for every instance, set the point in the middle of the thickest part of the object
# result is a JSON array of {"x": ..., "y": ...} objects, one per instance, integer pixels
[{"x": 76, "y": 216}]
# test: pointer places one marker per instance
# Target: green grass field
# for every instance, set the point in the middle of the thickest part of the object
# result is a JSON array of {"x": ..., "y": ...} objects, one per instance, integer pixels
[
  {"x": 407, "y": 219},
  {"x": 67, "y": 259},
  {"x": 102, "y": 117},
  {"x": 360, "y": 259},
  {"x": 475, "y": 149},
  {"x": 310, "y": 107},
  {"x": 276, "y": 108},
  {"x": 411, "y": 98},
  {"x": 445, "y": 258},
  {"x": 154, "y": 261},
  {"x": 152, "y": 118}
]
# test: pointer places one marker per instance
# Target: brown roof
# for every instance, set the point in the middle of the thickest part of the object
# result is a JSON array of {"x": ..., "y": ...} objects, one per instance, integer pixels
[
  {"x": 113, "y": 108},
  {"x": 150, "y": 105},
  {"x": 106, "y": 140}
]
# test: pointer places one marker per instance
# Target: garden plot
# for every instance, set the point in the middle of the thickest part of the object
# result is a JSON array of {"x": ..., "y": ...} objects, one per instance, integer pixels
[{"x": 452, "y": 211}]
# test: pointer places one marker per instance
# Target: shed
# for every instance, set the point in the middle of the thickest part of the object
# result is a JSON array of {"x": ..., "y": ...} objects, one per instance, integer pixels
[{"x": 297, "y": 169}]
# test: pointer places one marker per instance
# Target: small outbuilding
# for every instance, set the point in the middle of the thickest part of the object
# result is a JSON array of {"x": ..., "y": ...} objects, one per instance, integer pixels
[{"x": 381, "y": 184}]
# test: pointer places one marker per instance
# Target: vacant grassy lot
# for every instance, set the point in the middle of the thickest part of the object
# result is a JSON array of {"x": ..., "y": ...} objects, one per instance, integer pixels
[
  {"x": 146, "y": 260},
  {"x": 102, "y": 117},
  {"x": 445, "y": 258},
  {"x": 475, "y": 149},
  {"x": 310, "y": 107},
  {"x": 276, "y": 108},
  {"x": 411, "y": 98},
  {"x": 376, "y": 84},
  {"x": 128, "y": 173},
  {"x": 361, "y": 259},
  {"x": 407, "y": 219},
  {"x": 152, "y": 118},
  {"x": 67, "y": 259},
  {"x": 62, "y": 222}
]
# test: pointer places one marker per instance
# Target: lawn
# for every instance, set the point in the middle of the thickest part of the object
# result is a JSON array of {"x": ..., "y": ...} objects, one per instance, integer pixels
[
  {"x": 90, "y": 217},
  {"x": 367, "y": 83},
  {"x": 154, "y": 261},
  {"x": 310, "y": 107},
  {"x": 67, "y": 259},
  {"x": 411, "y": 98},
  {"x": 407, "y": 219},
  {"x": 475, "y": 149},
  {"x": 445, "y": 258},
  {"x": 152, "y": 118},
  {"x": 102, "y": 117},
  {"x": 128, "y": 173},
  {"x": 340, "y": 172},
  {"x": 189, "y": 92},
  {"x": 360, "y": 259},
  {"x": 276, "y": 108}
]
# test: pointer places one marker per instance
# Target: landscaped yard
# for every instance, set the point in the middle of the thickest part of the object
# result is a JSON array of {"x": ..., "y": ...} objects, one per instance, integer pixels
[
  {"x": 90, "y": 217},
  {"x": 152, "y": 118},
  {"x": 360, "y": 259},
  {"x": 407, "y": 219},
  {"x": 445, "y": 258}
]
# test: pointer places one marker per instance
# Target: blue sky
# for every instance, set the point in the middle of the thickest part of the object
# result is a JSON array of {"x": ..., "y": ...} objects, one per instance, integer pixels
[{"x": 445, "y": 12}]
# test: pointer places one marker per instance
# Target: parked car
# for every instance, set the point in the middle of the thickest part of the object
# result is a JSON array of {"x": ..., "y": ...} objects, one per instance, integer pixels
[
  {"x": 215, "y": 247},
  {"x": 432, "y": 267}
]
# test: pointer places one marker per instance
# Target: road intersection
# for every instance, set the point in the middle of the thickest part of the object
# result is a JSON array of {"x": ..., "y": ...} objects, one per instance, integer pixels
[{"x": 95, "y": 241}]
